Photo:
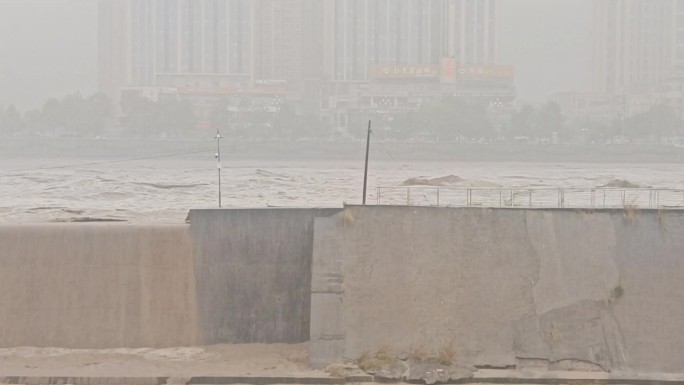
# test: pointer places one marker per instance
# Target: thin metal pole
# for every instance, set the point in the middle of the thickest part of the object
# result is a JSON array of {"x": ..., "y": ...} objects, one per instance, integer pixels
[
  {"x": 530, "y": 205},
  {"x": 365, "y": 171},
  {"x": 218, "y": 164},
  {"x": 604, "y": 198}
]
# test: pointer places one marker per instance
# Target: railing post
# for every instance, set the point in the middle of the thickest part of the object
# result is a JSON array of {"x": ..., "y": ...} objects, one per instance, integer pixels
[
  {"x": 650, "y": 198},
  {"x": 593, "y": 198},
  {"x": 604, "y": 198},
  {"x": 408, "y": 196},
  {"x": 438, "y": 197},
  {"x": 530, "y": 204},
  {"x": 379, "y": 190},
  {"x": 500, "y": 198}
]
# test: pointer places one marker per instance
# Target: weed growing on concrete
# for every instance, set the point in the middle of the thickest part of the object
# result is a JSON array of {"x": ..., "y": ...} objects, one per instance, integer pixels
[
  {"x": 419, "y": 354},
  {"x": 364, "y": 358},
  {"x": 385, "y": 353},
  {"x": 384, "y": 358},
  {"x": 339, "y": 370},
  {"x": 348, "y": 216},
  {"x": 617, "y": 292},
  {"x": 631, "y": 211},
  {"x": 584, "y": 213},
  {"x": 447, "y": 355},
  {"x": 663, "y": 222}
]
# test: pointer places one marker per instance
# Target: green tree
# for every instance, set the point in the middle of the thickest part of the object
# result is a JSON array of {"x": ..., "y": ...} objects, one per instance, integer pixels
[
  {"x": 52, "y": 116},
  {"x": 551, "y": 121},
  {"x": 221, "y": 119},
  {"x": 658, "y": 122},
  {"x": 175, "y": 118},
  {"x": 523, "y": 122},
  {"x": 11, "y": 121}
]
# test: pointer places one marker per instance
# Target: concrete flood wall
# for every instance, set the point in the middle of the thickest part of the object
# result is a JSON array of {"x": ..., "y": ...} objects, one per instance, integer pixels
[
  {"x": 601, "y": 290},
  {"x": 574, "y": 289},
  {"x": 96, "y": 286},
  {"x": 253, "y": 273},
  {"x": 231, "y": 276}
]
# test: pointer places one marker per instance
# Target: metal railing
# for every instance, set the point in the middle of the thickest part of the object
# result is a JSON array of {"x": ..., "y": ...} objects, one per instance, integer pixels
[{"x": 531, "y": 198}]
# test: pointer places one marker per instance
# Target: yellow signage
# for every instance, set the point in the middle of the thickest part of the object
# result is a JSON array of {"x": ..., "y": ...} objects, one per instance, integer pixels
[
  {"x": 451, "y": 71},
  {"x": 405, "y": 71}
]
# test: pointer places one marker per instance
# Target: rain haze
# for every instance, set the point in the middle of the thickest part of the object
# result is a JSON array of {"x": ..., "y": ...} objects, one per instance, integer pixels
[
  {"x": 340, "y": 192},
  {"x": 547, "y": 41},
  {"x": 454, "y": 89}
]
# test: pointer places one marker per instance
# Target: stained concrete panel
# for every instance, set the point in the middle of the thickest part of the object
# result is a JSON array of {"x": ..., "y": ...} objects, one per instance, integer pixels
[
  {"x": 650, "y": 256},
  {"x": 253, "y": 274},
  {"x": 96, "y": 286}
]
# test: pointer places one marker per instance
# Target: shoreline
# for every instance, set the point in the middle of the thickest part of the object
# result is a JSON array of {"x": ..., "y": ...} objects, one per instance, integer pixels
[{"x": 23, "y": 148}]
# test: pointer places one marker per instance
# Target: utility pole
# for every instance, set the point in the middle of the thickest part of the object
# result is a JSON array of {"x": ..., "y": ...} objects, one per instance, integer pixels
[
  {"x": 218, "y": 163},
  {"x": 365, "y": 172}
]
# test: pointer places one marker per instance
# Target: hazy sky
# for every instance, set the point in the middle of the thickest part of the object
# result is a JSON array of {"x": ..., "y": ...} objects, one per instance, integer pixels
[{"x": 49, "y": 47}]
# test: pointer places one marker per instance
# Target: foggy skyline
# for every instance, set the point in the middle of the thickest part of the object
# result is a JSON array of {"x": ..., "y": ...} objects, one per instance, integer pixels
[{"x": 49, "y": 48}]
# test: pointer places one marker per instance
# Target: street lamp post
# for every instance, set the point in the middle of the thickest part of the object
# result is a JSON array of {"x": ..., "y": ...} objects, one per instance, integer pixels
[{"x": 218, "y": 163}]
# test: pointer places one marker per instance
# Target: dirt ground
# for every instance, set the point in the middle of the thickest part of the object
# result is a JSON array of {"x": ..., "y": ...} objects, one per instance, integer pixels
[{"x": 219, "y": 360}]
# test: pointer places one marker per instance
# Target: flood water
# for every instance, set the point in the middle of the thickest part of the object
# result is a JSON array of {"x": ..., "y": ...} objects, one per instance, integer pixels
[{"x": 56, "y": 184}]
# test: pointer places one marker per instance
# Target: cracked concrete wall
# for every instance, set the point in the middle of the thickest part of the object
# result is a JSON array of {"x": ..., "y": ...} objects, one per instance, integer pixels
[
  {"x": 427, "y": 276},
  {"x": 96, "y": 286},
  {"x": 504, "y": 287}
]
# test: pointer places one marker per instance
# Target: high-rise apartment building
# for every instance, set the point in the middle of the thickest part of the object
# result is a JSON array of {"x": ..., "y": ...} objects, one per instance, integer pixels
[
  {"x": 472, "y": 31},
  {"x": 114, "y": 46},
  {"x": 288, "y": 40},
  {"x": 371, "y": 33},
  {"x": 330, "y": 57},
  {"x": 638, "y": 44},
  {"x": 678, "y": 35},
  {"x": 390, "y": 56},
  {"x": 143, "y": 42}
]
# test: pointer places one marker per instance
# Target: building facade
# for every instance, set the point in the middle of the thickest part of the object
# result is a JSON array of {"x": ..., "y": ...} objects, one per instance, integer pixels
[
  {"x": 178, "y": 44},
  {"x": 637, "y": 58},
  {"x": 638, "y": 44},
  {"x": 332, "y": 58},
  {"x": 391, "y": 56}
]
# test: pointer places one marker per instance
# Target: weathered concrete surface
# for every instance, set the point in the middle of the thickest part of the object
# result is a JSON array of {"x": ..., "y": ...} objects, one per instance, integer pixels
[
  {"x": 253, "y": 274},
  {"x": 231, "y": 276},
  {"x": 504, "y": 286},
  {"x": 96, "y": 286},
  {"x": 650, "y": 257},
  {"x": 327, "y": 329},
  {"x": 431, "y": 277}
]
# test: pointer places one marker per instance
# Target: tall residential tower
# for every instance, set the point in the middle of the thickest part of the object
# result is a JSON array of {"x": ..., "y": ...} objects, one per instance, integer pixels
[
  {"x": 638, "y": 44},
  {"x": 165, "y": 42}
]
